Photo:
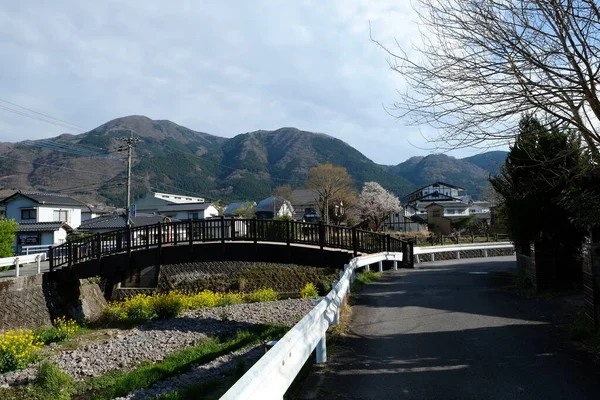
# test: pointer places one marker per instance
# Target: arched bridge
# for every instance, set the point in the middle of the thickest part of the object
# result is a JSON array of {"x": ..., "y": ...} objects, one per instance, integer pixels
[{"x": 110, "y": 254}]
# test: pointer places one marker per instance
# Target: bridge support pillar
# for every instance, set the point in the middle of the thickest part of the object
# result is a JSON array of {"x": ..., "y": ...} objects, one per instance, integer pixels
[
  {"x": 380, "y": 266},
  {"x": 395, "y": 265},
  {"x": 321, "y": 351}
]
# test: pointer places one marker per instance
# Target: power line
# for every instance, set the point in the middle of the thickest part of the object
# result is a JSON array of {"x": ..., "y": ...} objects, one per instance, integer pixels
[{"x": 44, "y": 115}]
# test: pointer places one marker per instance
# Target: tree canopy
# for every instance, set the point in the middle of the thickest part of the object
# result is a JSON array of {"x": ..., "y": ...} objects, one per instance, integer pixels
[
  {"x": 375, "y": 204},
  {"x": 483, "y": 63},
  {"x": 332, "y": 184},
  {"x": 8, "y": 232}
]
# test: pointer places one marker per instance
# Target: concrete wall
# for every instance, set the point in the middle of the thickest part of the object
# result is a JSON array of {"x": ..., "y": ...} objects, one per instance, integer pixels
[{"x": 23, "y": 303}]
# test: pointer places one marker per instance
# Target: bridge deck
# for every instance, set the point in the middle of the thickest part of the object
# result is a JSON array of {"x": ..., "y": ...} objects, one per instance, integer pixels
[{"x": 445, "y": 331}]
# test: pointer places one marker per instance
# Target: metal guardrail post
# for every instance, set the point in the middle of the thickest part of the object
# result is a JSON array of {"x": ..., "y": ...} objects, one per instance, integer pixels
[
  {"x": 321, "y": 350},
  {"x": 17, "y": 265},
  {"x": 395, "y": 265},
  {"x": 38, "y": 259},
  {"x": 380, "y": 266}
]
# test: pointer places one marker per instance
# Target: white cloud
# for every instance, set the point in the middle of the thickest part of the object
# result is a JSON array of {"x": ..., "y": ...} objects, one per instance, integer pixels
[{"x": 220, "y": 67}]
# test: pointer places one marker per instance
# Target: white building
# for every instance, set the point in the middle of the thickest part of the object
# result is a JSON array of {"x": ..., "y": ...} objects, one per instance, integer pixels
[
  {"x": 186, "y": 211},
  {"x": 43, "y": 218},
  {"x": 154, "y": 201}
]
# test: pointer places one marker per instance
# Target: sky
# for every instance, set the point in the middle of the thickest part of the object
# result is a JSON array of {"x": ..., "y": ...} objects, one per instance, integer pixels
[{"x": 220, "y": 67}]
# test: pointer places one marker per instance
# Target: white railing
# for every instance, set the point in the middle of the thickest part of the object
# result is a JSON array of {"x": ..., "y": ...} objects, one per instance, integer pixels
[
  {"x": 27, "y": 250},
  {"x": 273, "y": 374},
  {"x": 26, "y": 259},
  {"x": 457, "y": 248}
]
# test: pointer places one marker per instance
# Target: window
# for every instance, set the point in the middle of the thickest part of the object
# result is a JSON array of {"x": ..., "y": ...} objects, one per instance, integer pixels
[
  {"x": 435, "y": 214},
  {"x": 192, "y": 215},
  {"x": 61, "y": 215},
  {"x": 450, "y": 211},
  {"x": 28, "y": 214},
  {"x": 179, "y": 198}
]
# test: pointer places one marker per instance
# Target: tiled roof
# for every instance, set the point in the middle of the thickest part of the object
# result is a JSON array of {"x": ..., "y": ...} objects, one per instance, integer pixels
[
  {"x": 266, "y": 205},
  {"x": 304, "y": 196},
  {"x": 48, "y": 198},
  {"x": 118, "y": 221},
  {"x": 42, "y": 226}
]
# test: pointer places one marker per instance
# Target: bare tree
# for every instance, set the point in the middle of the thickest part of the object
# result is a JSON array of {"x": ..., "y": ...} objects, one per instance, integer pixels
[
  {"x": 329, "y": 183},
  {"x": 376, "y": 204},
  {"x": 483, "y": 63}
]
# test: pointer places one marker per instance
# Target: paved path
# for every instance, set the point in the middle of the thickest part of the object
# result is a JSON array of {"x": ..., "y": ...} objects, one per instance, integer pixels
[{"x": 444, "y": 332}]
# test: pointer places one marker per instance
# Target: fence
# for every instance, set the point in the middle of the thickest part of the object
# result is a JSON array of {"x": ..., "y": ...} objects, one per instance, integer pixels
[
  {"x": 227, "y": 229},
  {"x": 442, "y": 240},
  {"x": 273, "y": 374}
]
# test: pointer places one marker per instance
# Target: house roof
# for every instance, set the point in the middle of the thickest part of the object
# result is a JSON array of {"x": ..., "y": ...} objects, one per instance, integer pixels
[
  {"x": 42, "y": 226},
  {"x": 184, "y": 207},
  {"x": 455, "y": 204},
  {"x": 118, "y": 221},
  {"x": 236, "y": 205},
  {"x": 47, "y": 198},
  {"x": 304, "y": 196},
  {"x": 271, "y": 203}
]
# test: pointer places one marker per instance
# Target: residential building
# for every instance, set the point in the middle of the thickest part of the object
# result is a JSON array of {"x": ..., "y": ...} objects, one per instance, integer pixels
[
  {"x": 274, "y": 206},
  {"x": 184, "y": 211},
  {"x": 436, "y": 192},
  {"x": 154, "y": 200},
  {"x": 305, "y": 204},
  {"x": 234, "y": 209},
  {"x": 43, "y": 218},
  {"x": 99, "y": 211},
  {"x": 109, "y": 223}
]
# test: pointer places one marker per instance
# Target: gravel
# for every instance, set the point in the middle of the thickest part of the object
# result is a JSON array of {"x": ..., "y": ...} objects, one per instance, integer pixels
[
  {"x": 217, "y": 368},
  {"x": 157, "y": 339}
]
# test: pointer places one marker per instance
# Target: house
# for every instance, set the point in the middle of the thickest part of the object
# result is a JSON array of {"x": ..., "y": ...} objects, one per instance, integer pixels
[
  {"x": 184, "y": 211},
  {"x": 43, "y": 218},
  {"x": 108, "y": 223},
  {"x": 99, "y": 211},
  {"x": 237, "y": 208},
  {"x": 436, "y": 220},
  {"x": 152, "y": 201},
  {"x": 436, "y": 192},
  {"x": 305, "y": 204},
  {"x": 274, "y": 206}
]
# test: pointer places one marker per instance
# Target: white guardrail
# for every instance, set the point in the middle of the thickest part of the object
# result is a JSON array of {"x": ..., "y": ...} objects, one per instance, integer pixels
[
  {"x": 457, "y": 248},
  {"x": 273, "y": 374},
  {"x": 19, "y": 260}
]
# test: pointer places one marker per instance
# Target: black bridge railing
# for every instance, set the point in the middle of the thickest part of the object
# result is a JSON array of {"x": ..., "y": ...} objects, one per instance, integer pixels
[{"x": 226, "y": 230}]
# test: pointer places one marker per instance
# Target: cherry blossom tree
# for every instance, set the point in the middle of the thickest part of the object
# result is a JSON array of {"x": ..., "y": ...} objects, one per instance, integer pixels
[{"x": 375, "y": 204}]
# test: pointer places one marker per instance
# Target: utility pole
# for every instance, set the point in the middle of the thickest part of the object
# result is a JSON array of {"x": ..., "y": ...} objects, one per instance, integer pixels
[{"x": 129, "y": 144}]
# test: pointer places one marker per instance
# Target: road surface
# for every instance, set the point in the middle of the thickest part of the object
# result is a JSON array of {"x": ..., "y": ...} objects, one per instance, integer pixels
[{"x": 445, "y": 331}]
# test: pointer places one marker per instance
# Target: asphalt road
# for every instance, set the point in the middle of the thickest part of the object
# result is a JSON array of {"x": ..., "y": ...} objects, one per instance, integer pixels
[{"x": 446, "y": 331}]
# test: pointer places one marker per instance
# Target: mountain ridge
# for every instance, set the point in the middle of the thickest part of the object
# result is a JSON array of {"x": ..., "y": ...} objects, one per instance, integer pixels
[{"x": 170, "y": 157}]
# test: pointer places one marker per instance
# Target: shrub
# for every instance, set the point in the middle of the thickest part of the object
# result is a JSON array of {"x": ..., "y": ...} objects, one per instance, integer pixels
[
  {"x": 55, "y": 383},
  {"x": 138, "y": 307},
  {"x": 206, "y": 298},
  {"x": 229, "y": 298},
  {"x": 309, "y": 291},
  {"x": 324, "y": 286},
  {"x": 114, "y": 312},
  {"x": 18, "y": 349},
  {"x": 167, "y": 305},
  {"x": 62, "y": 330},
  {"x": 260, "y": 295}
]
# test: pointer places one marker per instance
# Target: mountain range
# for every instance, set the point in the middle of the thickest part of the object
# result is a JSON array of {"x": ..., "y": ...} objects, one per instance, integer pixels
[{"x": 174, "y": 159}]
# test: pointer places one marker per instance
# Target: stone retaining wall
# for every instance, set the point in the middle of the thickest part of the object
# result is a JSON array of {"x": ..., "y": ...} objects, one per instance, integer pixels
[{"x": 23, "y": 303}]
